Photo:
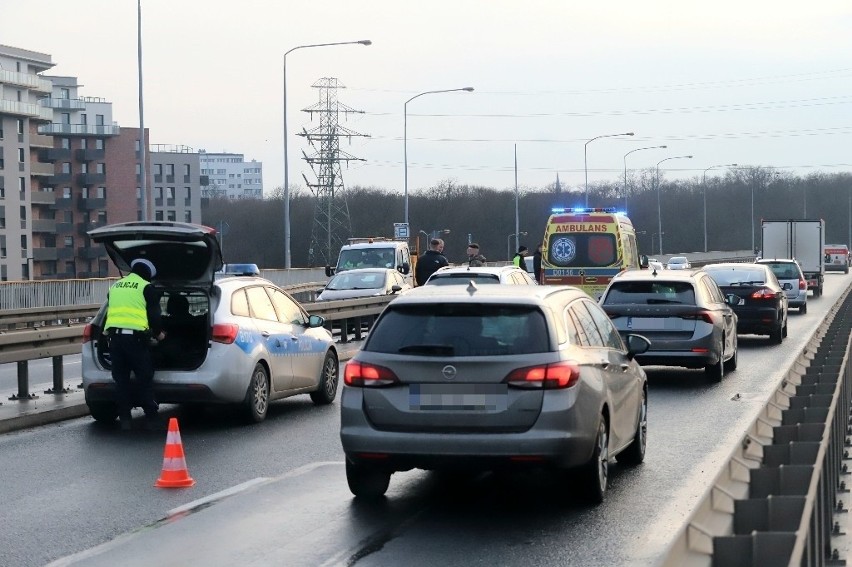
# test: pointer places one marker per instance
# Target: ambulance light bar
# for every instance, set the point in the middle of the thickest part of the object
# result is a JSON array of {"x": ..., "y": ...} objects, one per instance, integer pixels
[{"x": 559, "y": 210}]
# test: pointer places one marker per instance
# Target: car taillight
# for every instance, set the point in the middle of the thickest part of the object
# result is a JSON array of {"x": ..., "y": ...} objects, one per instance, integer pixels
[
  {"x": 546, "y": 376},
  {"x": 698, "y": 316},
  {"x": 763, "y": 293},
  {"x": 225, "y": 333},
  {"x": 87, "y": 333},
  {"x": 365, "y": 375},
  {"x": 803, "y": 284}
]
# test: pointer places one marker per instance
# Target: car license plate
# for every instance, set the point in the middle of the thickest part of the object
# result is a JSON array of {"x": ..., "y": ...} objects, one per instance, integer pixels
[
  {"x": 458, "y": 397},
  {"x": 652, "y": 324}
]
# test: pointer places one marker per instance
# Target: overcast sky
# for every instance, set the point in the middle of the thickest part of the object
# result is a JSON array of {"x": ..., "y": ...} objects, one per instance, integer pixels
[{"x": 756, "y": 82}]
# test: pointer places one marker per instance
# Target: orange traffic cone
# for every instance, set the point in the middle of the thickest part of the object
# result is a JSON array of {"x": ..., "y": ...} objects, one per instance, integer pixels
[{"x": 174, "y": 474}]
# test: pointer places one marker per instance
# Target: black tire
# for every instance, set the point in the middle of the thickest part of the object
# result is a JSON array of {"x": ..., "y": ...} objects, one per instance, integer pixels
[
  {"x": 776, "y": 336},
  {"x": 327, "y": 389},
  {"x": 715, "y": 372},
  {"x": 103, "y": 412},
  {"x": 731, "y": 365},
  {"x": 593, "y": 476},
  {"x": 366, "y": 481},
  {"x": 256, "y": 402},
  {"x": 784, "y": 328},
  {"x": 803, "y": 309},
  {"x": 634, "y": 454}
]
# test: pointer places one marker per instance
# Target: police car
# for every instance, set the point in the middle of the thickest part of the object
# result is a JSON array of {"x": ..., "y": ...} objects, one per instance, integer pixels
[{"x": 232, "y": 337}]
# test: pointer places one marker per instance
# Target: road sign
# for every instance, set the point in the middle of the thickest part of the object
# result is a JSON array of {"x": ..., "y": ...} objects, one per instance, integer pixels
[{"x": 400, "y": 230}]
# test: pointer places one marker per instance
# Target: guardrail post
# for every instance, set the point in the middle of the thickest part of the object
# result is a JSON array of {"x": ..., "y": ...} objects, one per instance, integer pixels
[
  {"x": 344, "y": 331},
  {"x": 358, "y": 323},
  {"x": 58, "y": 379},
  {"x": 23, "y": 383}
]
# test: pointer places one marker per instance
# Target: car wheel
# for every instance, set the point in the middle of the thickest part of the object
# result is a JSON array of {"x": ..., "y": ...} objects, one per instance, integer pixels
[
  {"x": 103, "y": 412},
  {"x": 367, "y": 481},
  {"x": 594, "y": 475},
  {"x": 803, "y": 309},
  {"x": 327, "y": 389},
  {"x": 784, "y": 328},
  {"x": 715, "y": 372},
  {"x": 731, "y": 365},
  {"x": 256, "y": 402},
  {"x": 776, "y": 335},
  {"x": 634, "y": 454}
]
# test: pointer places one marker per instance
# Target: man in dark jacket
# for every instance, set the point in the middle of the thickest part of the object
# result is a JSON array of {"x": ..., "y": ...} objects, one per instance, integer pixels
[
  {"x": 537, "y": 264},
  {"x": 474, "y": 258},
  {"x": 133, "y": 319},
  {"x": 430, "y": 261}
]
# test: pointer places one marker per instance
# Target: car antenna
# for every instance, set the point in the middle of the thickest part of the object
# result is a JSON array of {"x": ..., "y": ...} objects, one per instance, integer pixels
[{"x": 471, "y": 288}]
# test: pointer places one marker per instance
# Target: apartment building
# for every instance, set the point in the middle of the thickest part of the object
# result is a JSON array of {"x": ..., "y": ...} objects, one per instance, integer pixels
[
  {"x": 177, "y": 183},
  {"x": 21, "y": 87},
  {"x": 231, "y": 177}
]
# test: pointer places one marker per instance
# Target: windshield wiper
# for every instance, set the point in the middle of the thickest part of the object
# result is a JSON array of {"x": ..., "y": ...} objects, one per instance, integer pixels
[
  {"x": 755, "y": 282},
  {"x": 434, "y": 350},
  {"x": 653, "y": 301}
]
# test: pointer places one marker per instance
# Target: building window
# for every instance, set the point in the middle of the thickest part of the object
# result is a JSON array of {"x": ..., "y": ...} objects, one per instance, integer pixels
[
  {"x": 158, "y": 192},
  {"x": 84, "y": 167},
  {"x": 66, "y": 192},
  {"x": 84, "y": 119},
  {"x": 187, "y": 216},
  {"x": 23, "y": 217},
  {"x": 83, "y": 143},
  {"x": 99, "y": 144},
  {"x": 186, "y": 169},
  {"x": 20, "y": 126},
  {"x": 138, "y": 192},
  {"x": 66, "y": 117},
  {"x": 101, "y": 193},
  {"x": 171, "y": 215},
  {"x": 158, "y": 169},
  {"x": 137, "y": 145},
  {"x": 68, "y": 216},
  {"x": 158, "y": 215},
  {"x": 138, "y": 169},
  {"x": 22, "y": 184},
  {"x": 100, "y": 168},
  {"x": 69, "y": 242},
  {"x": 20, "y": 155},
  {"x": 99, "y": 119},
  {"x": 65, "y": 143},
  {"x": 170, "y": 192},
  {"x": 64, "y": 93},
  {"x": 84, "y": 192},
  {"x": 66, "y": 167}
]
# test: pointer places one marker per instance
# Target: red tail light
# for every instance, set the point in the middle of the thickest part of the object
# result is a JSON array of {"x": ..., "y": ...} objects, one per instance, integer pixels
[
  {"x": 547, "y": 376},
  {"x": 763, "y": 293},
  {"x": 698, "y": 316},
  {"x": 87, "y": 333},
  {"x": 803, "y": 284},
  {"x": 225, "y": 333},
  {"x": 365, "y": 375}
]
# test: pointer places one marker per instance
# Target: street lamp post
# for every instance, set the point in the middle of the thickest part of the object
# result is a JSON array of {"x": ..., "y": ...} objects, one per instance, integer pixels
[
  {"x": 659, "y": 210},
  {"x": 287, "y": 260},
  {"x": 509, "y": 243},
  {"x": 405, "y": 136},
  {"x": 586, "y": 160},
  {"x": 704, "y": 186},
  {"x": 625, "y": 168}
]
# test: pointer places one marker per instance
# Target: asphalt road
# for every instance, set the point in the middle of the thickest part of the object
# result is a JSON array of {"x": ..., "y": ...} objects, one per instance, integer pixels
[{"x": 71, "y": 486}]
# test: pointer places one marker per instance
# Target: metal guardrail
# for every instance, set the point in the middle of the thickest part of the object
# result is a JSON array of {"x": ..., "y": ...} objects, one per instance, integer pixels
[{"x": 772, "y": 502}]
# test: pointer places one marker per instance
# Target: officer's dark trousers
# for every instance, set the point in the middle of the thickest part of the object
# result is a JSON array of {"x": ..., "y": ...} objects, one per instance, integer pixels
[{"x": 131, "y": 353}]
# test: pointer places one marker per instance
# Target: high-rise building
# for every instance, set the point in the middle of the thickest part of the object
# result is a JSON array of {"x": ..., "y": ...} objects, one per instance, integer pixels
[
  {"x": 231, "y": 176},
  {"x": 177, "y": 183},
  {"x": 21, "y": 173}
]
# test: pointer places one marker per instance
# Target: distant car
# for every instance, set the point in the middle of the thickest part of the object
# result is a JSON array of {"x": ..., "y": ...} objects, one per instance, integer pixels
[
  {"x": 365, "y": 282},
  {"x": 682, "y": 312},
  {"x": 488, "y": 377},
  {"x": 237, "y": 340},
  {"x": 455, "y": 275},
  {"x": 678, "y": 263},
  {"x": 791, "y": 278},
  {"x": 762, "y": 305}
]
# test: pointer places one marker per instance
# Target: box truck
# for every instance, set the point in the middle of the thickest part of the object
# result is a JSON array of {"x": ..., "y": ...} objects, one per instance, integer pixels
[{"x": 801, "y": 240}]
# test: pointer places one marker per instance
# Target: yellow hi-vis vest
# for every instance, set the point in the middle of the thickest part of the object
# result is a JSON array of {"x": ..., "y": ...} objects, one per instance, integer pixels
[
  {"x": 126, "y": 307},
  {"x": 517, "y": 260}
]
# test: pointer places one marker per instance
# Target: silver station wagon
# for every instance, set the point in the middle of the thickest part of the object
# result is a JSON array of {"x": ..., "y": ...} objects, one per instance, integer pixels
[
  {"x": 492, "y": 376},
  {"x": 229, "y": 340}
]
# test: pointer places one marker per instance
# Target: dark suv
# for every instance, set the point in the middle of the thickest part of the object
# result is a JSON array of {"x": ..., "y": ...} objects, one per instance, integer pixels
[{"x": 682, "y": 312}]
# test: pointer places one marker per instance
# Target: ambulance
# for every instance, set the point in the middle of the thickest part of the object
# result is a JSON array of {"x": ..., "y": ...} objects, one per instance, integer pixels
[
  {"x": 836, "y": 258},
  {"x": 587, "y": 247}
]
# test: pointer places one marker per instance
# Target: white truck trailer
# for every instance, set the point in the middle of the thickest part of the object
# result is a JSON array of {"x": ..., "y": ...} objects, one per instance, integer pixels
[{"x": 802, "y": 240}]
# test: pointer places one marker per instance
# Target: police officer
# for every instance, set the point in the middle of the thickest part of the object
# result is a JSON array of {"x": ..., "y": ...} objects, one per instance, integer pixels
[{"x": 133, "y": 318}]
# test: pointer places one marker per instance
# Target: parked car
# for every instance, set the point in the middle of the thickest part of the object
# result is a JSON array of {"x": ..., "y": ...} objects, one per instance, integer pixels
[
  {"x": 492, "y": 376},
  {"x": 762, "y": 305},
  {"x": 365, "y": 282},
  {"x": 789, "y": 274},
  {"x": 682, "y": 312},
  {"x": 455, "y": 275},
  {"x": 237, "y": 340},
  {"x": 678, "y": 263}
]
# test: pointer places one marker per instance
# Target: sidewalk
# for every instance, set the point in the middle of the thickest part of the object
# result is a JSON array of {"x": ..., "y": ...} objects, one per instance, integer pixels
[{"x": 51, "y": 408}]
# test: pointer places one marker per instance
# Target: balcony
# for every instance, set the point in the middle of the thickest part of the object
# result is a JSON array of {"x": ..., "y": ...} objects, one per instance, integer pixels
[
  {"x": 79, "y": 129},
  {"x": 64, "y": 227},
  {"x": 64, "y": 253},
  {"x": 63, "y": 103},
  {"x": 26, "y": 109},
  {"x": 27, "y": 80},
  {"x": 41, "y": 141},
  {"x": 41, "y": 169},
  {"x": 57, "y": 179},
  {"x": 44, "y": 225},
  {"x": 43, "y": 198},
  {"x": 187, "y": 179},
  {"x": 158, "y": 178},
  {"x": 63, "y": 203},
  {"x": 170, "y": 178},
  {"x": 94, "y": 251},
  {"x": 90, "y": 154},
  {"x": 84, "y": 204},
  {"x": 84, "y": 227},
  {"x": 45, "y": 254},
  {"x": 55, "y": 154},
  {"x": 91, "y": 178}
]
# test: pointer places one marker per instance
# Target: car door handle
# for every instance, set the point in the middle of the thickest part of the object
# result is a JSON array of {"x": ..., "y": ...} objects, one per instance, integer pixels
[
  {"x": 624, "y": 366},
  {"x": 264, "y": 334},
  {"x": 294, "y": 339},
  {"x": 604, "y": 364}
]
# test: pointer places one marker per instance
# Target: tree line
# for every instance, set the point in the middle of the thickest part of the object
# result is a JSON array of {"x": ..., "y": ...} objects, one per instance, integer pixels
[{"x": 487, "y": 215}]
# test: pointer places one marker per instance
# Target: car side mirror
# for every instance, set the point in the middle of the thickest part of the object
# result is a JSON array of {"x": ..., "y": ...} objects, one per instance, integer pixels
[
  {"x": 643, "y": 261},
  {"x": 636, "y": 344},
  {"x": 396, "y": 288},
  {"x": 315, "y": 321},
  {"x": 329, "y": 271},
  {"x": 404, "y": 268}
]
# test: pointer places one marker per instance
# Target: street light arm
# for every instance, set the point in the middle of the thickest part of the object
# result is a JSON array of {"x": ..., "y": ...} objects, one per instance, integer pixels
[
  {"x": 466, "y": 89},
  {"x": 359, "y": 42}
]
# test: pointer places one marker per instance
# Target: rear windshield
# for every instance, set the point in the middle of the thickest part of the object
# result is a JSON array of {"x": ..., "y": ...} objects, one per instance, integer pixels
[
  {"x": 456, "y": 279},
  {"x": 783, "y": 270},
  {"x": 582, "y": 249},
  {"x": 459, "y": 330},
  {"x": 737, "y": 276},
  {"x": 650, "y": 292}
]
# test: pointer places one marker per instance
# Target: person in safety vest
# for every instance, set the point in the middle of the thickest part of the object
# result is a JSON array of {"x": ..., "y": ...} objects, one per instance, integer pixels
[
  {"x": 132, "y": 320},
  {"x": 518, "y": 260}
]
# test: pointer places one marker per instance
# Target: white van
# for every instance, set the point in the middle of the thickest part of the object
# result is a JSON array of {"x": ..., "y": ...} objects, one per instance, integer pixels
[
  {"x": 836, "y": 258},
  {"x": 374, "y": 252}
]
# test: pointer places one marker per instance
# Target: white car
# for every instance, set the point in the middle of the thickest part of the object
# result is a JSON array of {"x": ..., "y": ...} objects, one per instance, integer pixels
[
  {"x": 238, "y": 340},
  {"x": 455, "y": 275},
  {"x": 365, "y": 282},
  {"x": 678, "y": 263}
]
